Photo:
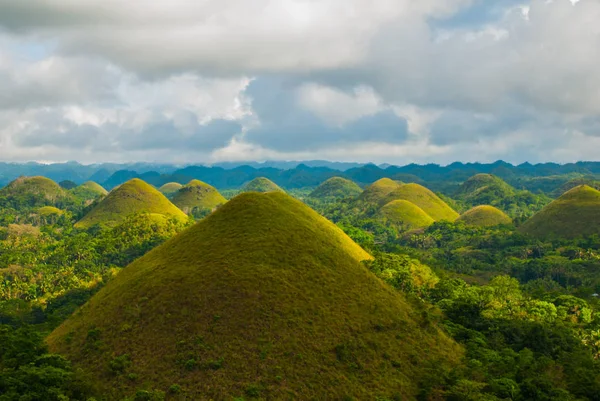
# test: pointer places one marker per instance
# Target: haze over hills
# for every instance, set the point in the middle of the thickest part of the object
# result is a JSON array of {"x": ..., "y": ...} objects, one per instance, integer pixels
[
  {"x": 263, "y": 293},
  {"x": 575, "y": 213},
  {"x": 134, "y": 196}
]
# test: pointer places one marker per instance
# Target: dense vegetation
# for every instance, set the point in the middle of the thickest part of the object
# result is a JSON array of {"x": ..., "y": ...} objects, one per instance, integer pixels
[{"x": 516, "y": 302}]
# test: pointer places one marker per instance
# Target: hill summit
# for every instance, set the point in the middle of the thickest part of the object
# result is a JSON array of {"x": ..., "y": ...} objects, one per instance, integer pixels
[
  {"x": 262, "y": 299},
  {"x": 41, "y": 189},
  {"x": 405, "y": 215},
  {"x": 89, "y": 190},
  {"x": 482, "y": 189},
  {"x": 170, "y": 188},
  {"x": 375, "y": 192},
  {"x": 576, "y": 213},
  {"x": 197, "y": 194},
  {"x": 261, "y": 184},
  {"x": 134, "y": 196},
  {"x": 484, "y": 216},
  {"x": 336, "y": 187},
  {"x": 429, "y": 202}
]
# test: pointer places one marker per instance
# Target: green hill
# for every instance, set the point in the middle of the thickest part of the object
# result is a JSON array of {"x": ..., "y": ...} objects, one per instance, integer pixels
[
  {"x": 336, "y": 187},
  {"x": 375, "y": 192},
  {"x": 263, "y": 299},
  {"x": 405, "y": 215},
  {"x": 576, "y": 213},
  {"x": 89, "y": 190},
  {"x": 170, "y": 189},
  {"x": 484, "y": 216},
  {"x": 197, "y": 194},
  {"x": 33, "y": 191},
  {"x": 49, "y": 211},
  {"x": 261, "y": 184},
  {"x": 423, "y": 198},
  {"x": 483, "y": 189},
  {"x": 134, "y": 196},
  {"x": 575, "y": 183}
]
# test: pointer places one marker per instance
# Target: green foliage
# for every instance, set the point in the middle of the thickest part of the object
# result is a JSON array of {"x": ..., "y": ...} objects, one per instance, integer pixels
[
  {"x": 484, "y": 216},
  {"x": 33, "y": 192},
  {"x": 402, "y": 273}
]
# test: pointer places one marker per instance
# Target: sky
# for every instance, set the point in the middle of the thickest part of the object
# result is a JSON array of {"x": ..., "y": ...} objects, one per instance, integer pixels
[{"x": 384, "y": 81}]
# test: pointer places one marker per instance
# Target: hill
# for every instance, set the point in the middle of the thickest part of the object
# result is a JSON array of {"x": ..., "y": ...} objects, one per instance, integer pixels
[
  {"x": 575, "y": 183},
  {"x": 262, "y": 299},
  {"x": 134, "y": 196},
  {"x": 170, "y": 188},
  {"x": 261, "y": 184},
  {"x": 484, "y": 216},
  {"x": 375, "y": 192},
  {"x": 405, "y": 215},
  {"x": 33, "y": 191},
  {"x": 423, "y": 198},
  {"x": 197, "y": 194},
  {"x": 336, "y": 187},
  {"x": 576, "y": 213},
  {"x": 483, "y": 189},
  {"x": 89, "y": 191}
]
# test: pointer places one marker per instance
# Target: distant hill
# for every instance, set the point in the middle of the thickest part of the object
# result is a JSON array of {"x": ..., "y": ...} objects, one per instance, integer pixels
[
  {"x": 89, "y": 190},
  {"x": 32, "y": 191},
  {"x": 576, "y": 213},
  {"x": 378, "y": 190},
  {"x": 482, "y": 189},
  {"x": 575, "y": 183},
  {"x": 429, "y": 202},
  {"x": 197, "y": 194},
  {"x": 263, "y": 299},
  {"x": 484, "y": 216},
  {"x": 405, "y": 215},
  {"x": 337, "y": 188},
  {"x": 261, "y": 184},
  {"x": 134, "y": 196},
  {"x": 170, "y": 188}
]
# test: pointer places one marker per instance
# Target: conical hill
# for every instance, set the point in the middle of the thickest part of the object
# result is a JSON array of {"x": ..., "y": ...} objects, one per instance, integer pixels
[
  {"x": 481, "y": 184},
  {"x": 423, "y": 198},
  {"x": 170, "y": 188},
  {"x": 264, "y": 299},
  {"x": 89, "y": 190},
  {"x": 576, "y": 213},
  {"x": 197, "y": 194},
  {"x": 134, "y": 196},
  {"x": 405, "y": 215},
  {"x": 375, "y": 192},
  {"x": 336, "y": 187},
  {"x": 484, "y": 216},
  {"x": 261, "y": 184},
  {"x": 40, "y": 190}
]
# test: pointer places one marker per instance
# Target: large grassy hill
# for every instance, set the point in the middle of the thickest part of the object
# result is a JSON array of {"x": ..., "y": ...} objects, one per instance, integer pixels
[
  {"x": 197, "y": 194},
  {"x": 575, "y": 213},
  {"x": 89, "y": 190},
  {"x": 261, "y": 184},
  {"x": 375, "y": 192},
  {"x": 134, "y": 196},
  {"x": 170, "y": 188},
  {"x": 484, "y": 216},
  {"x": 336, "y": 188},
  {"x": 33, "y": 191},
  {"x": 263, "y": 299},
  {"x": 405, "y": 215},
  {"x": 423, "y": 198}
]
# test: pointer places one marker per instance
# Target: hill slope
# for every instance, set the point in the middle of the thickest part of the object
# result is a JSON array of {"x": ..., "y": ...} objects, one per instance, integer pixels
[
  {"x": 37, "y": 190},
  {"x": 264, "y": 299},
  {"x": 134, "y": 196},
  {"x": 405, "y": 215},
  {"x": 261, "y": 184},
  {"x": 89, "y": 190},
  {"x": 575, "y": 213},
  {"x": 423, "y": 198},
  {"x": 170, "y": 189},
  {"x": 484, "y": 216},
  {"x": 336, "y": 187},
  {"x": 375, "y": 192},
  {"x": 483, "y": 189},
  {"x": 197, "y": 194}
]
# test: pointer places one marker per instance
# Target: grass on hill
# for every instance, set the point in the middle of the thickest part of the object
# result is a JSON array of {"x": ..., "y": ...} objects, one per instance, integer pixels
[
  {"x": 417, "y": 194},
  {"x": 483, "y": 189},
  {"x": 134, "y": 196},
  {"x": 263, "y": 299},
  {"x": 574, "y": 183},
  {"x": 49, "y": 211},
  {"x": 261, "y": 184},
  {"x": 484, "y": 216},
  {"x": 375, "y": 192},
  {"x": 405, "y": 215},
  {"x": 576, "y": 213},
  {"x": 336, "y": 187},
  {"x": 170, "y": 188},
  {"x": 39, "y": 187},
  {"x": 197, "y": 194},
  {"x": 89, "y": 190}
]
